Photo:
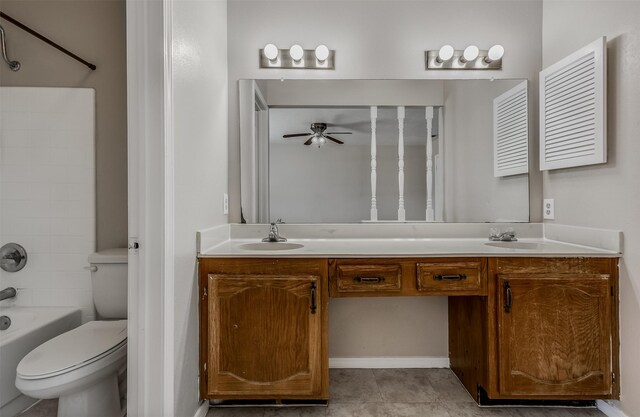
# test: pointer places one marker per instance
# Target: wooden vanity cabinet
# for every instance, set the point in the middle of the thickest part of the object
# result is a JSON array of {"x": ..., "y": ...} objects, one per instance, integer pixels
[
  {"x": 519, "y": 328},
  {"x": 263, "y": 329},
  {"x": 548, "y": 330}
]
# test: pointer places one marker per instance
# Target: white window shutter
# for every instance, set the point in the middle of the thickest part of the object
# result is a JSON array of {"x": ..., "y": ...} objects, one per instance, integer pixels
[
  {"x": 511, "y": 132},
  {"x": 573, "y": 109}
]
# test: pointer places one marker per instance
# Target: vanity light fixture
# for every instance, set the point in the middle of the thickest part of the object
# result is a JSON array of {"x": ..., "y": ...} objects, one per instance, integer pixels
[
  {"x": 322, "y": 53},
  {"x": 296, "y": 52},
  {"x": 296, "y": 57},
  {"x": 271, "y": 52},
  {"x": 495, "y": 53},
  {"x": 470, "y": 53},
  {"x": 445, "y": 54},
  {"x": 471, "y": 58}
]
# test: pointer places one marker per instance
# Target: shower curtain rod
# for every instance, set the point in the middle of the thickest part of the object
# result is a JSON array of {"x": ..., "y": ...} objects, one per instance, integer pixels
[{"x": 45, "y": 39}]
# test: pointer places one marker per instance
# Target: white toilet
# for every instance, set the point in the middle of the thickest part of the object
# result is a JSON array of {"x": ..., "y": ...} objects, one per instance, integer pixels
[{"x": 86, "y": 367}]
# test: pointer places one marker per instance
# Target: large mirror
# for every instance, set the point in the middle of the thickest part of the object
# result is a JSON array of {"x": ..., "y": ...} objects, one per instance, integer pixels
[{"x": 347, "y": 151}]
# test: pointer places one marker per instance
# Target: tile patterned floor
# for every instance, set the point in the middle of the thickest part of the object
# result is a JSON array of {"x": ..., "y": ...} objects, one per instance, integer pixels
[
  {"x": 45, "y": 408},
  {"x": 382, "y": 393},
  {"x": 399, "y": 393}
]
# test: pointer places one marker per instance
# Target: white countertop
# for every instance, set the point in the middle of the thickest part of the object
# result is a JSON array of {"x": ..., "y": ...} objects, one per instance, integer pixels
[
  {"x": 410, "y": 240},
  {"x": 403, "y": 247}
]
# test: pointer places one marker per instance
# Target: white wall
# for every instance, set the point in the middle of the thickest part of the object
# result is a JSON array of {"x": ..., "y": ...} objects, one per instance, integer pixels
[
  {"x": 370, "y": 45},
  {"x": 199, "y": 66},
  {"x": 47, "y": 193},
  {"x": 472, "y": 193},
  {"x": 608, "y": 195}
]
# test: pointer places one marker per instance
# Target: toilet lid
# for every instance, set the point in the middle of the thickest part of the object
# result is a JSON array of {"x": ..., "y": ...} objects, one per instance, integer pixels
[{"x": 75, "y": 348}]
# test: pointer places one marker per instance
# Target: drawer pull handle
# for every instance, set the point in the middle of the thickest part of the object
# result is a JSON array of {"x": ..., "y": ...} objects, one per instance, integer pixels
[
  {"x": 314, "y": 306},
  {"x": 450, "y": 277},
  {"x": 368, "y": 280}
]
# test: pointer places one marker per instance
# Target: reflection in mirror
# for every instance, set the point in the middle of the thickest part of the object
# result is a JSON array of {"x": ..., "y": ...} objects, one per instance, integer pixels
[
  {"x": 345, "y": 151},
  {"x": 332, "y": 180}
]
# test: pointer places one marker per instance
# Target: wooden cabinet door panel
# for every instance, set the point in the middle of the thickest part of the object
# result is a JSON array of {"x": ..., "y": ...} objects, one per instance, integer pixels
[
  {"x": 265, "y": 334},
  {"x": 554, "y": 335}
]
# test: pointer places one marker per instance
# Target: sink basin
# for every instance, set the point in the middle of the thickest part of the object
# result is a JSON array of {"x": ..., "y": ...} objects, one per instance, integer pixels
[
  {"x": 271, "y": 246},
  {"x": 515, "y": 245}
]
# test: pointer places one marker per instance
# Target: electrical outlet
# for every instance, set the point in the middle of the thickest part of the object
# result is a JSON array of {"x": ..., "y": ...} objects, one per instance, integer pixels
[
  {"x": 225, "y": 203},
  {"x": 549, "y": 209}
]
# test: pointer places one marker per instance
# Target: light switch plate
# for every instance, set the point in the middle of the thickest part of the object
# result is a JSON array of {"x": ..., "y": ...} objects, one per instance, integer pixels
[
  {"x": 549, "y": 212},
  {"x": 225, "y": 204}
]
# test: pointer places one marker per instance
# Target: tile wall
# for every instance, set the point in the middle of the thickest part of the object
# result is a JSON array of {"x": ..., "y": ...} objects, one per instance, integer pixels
[{"x": 47, "y": 193}]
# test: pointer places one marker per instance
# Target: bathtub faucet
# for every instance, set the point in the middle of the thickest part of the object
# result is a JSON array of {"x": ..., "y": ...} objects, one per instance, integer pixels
[{"x": 8, "y": 292}]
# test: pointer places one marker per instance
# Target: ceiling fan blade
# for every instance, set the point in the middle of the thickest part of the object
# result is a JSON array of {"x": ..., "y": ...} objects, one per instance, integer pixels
[
  {"x": 338, "y": 133},
  {"x": 334, "y": 139},
  {"x": 308, "y": 142},
  {"x": 295, "y": 135}
]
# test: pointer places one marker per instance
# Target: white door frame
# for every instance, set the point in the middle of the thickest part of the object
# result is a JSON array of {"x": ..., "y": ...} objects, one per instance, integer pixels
[{"x": 150, "y": 389}]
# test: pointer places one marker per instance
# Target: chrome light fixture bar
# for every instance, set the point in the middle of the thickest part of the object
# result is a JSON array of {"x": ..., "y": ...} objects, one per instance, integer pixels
[
  {"x": 471, "y": 58},
  {"x": 296, "y": 57}
]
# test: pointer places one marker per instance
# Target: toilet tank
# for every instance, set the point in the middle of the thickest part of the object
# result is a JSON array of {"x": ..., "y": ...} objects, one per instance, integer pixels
[{"x": 109, "y": 281}]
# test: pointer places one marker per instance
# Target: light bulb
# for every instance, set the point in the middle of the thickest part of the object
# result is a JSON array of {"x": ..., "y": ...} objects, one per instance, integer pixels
[
  {"x": 445, "y": 53},
  {"x": 322, "y": 140},
  {"x": 314, "y": 139},
  {"x": 322, "y": 53},
  {"x": 270, "y": 52},
  {"x": 470, "y": 54},
  {"x": 495, "y": 52},
  {"x": 296, "y": 52}
]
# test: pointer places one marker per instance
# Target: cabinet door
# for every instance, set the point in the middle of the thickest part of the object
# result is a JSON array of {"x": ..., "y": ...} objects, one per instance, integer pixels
[
  {"x": 264, "y": 335},
  {"x": 554, "y": 335}
]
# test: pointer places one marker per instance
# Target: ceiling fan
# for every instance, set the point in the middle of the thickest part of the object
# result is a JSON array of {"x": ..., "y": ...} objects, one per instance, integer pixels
[{"x": 318, "y": 137}]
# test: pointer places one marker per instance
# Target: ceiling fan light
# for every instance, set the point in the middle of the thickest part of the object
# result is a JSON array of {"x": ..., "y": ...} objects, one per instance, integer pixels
[
  {"x": 296, "y": 52},
  {"x": 270, "y": 52},
  {"x": 322, "y": 53}
]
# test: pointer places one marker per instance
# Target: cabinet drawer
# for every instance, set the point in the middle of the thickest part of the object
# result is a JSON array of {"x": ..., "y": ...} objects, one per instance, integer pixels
[
  {"x": 367, "y": 278},
  {"x": 450, "y": 278}
]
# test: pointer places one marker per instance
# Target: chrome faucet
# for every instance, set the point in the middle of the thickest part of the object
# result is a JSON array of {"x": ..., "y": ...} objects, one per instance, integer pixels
[
  {"x": 274, "y": 236},
  {"x": 8, "y": 292},
  {"x": 508, "y": 236}
]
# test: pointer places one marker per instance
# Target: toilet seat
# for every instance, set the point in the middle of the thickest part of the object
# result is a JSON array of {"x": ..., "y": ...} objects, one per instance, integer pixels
[{"x": 74, "y": 349}]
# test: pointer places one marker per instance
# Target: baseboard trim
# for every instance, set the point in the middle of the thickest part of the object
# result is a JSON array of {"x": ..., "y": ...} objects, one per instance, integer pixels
[
  {"x": 609, "y": 410},
  {"x": 202, "y": 410},
  {"x": 390, "y": 362}
]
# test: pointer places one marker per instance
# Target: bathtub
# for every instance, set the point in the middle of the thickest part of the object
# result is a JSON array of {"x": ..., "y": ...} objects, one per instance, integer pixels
[{"x": 30, "y": 327}]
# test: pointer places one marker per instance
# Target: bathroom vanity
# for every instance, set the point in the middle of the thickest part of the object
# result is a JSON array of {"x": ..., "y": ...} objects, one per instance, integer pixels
[
  {"x": 534, "y": 319},
  {"x": 527, "y": 324}
]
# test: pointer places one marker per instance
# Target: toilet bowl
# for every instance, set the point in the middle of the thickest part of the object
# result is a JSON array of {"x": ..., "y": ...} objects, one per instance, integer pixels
[
  {"x": 86, "y": 367},
  {"x": 80, "y": 367}
]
